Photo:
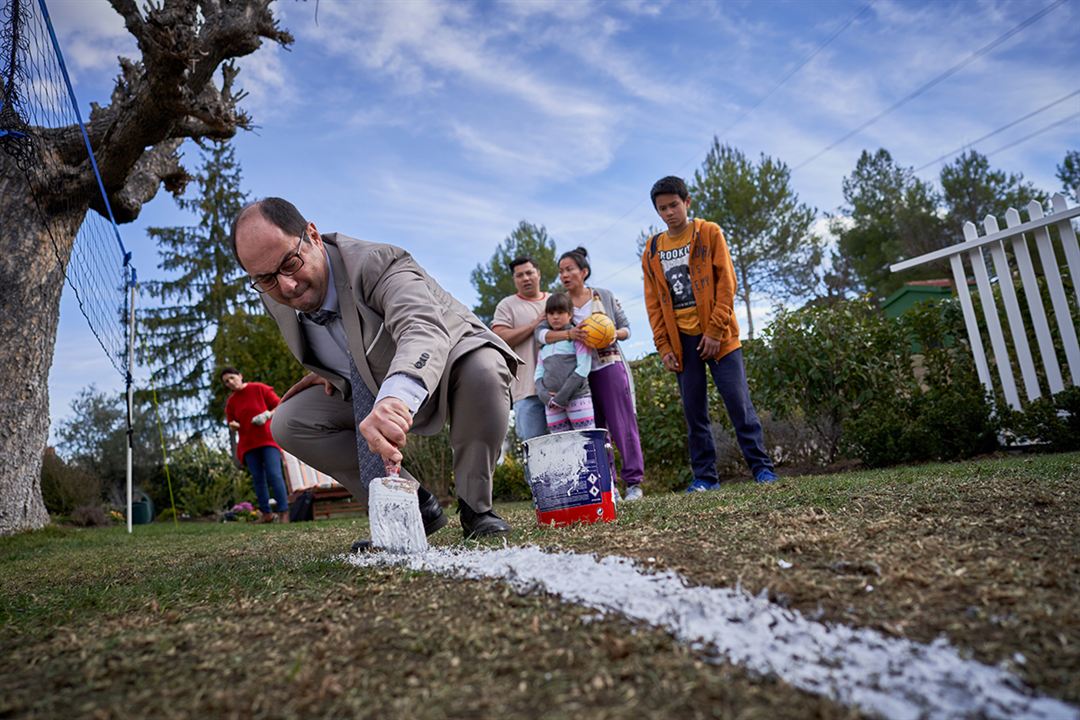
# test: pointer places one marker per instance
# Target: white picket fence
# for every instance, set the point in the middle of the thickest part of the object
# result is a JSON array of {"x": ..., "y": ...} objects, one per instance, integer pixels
[{"x": 1017, "y": 234}]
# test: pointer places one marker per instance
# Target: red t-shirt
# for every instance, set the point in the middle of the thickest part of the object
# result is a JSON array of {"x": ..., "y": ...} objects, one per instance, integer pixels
[{"x": 246, "y": 403}]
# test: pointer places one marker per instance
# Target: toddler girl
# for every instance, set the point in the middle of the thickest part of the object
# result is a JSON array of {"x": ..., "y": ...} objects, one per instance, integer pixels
[{"x": 562, "y": 371}]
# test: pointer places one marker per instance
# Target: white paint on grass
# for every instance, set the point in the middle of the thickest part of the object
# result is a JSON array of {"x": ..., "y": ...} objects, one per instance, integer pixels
[{"x": 891, "y": 677}]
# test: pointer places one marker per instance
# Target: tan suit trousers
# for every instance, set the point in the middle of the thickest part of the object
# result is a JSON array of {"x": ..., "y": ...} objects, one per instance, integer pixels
[{"x": 321, "y": 431}]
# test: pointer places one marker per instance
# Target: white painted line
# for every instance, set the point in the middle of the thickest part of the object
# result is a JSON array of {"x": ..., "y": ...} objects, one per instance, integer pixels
[{"x": 890, "y": 677}]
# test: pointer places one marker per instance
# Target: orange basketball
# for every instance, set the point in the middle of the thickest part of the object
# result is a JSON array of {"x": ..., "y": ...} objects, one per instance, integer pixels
[{"x": 600, "y": 331}]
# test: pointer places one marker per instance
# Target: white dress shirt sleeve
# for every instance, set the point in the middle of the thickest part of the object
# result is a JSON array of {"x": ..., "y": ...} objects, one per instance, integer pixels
[{"x": 405, "y": 388}]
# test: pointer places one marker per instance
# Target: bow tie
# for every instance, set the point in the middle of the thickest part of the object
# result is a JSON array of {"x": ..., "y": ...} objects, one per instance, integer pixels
[{"x": 322, "y": 317}]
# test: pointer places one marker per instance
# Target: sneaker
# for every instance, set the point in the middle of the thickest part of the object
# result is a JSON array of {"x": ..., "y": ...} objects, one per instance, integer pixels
[
  {"x": 766, "y": 476},
  {"x": 703, "y": 486},
  {"x": 633, "y": 493}
]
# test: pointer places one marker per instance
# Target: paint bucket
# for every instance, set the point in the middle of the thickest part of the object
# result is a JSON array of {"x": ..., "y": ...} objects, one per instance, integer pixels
[{"x": 571, "y": 477}]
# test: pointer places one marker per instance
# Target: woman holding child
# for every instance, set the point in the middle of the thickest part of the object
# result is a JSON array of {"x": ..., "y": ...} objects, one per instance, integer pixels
[{"x": 609, "y": 376}]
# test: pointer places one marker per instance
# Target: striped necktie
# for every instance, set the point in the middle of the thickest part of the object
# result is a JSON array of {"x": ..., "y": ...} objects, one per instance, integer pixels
[{"x": 371, "y": 465}]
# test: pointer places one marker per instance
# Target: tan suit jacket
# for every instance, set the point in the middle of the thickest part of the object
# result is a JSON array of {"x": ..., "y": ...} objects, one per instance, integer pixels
[{"x": 399, "y": 320}]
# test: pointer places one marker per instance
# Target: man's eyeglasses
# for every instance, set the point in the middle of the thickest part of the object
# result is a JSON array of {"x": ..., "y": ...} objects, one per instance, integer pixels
[{"x": 289, "y": 266}]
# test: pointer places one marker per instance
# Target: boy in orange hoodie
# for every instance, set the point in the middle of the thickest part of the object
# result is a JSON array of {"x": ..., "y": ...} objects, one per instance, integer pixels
[{"x": 690, "y": 297}]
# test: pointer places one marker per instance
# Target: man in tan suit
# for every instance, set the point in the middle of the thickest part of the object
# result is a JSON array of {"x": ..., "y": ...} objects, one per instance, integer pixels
[{"x": 366, "y": 317}]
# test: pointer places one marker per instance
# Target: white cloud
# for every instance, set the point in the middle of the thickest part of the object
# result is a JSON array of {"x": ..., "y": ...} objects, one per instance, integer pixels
[
  {"x": 902, "y": 48},
  {"x": 546, "y": 153},
  {"x": 479, "y": 143},
  {"x": 91, "y": 34},
  {"x": 514, "y": 115},
  {"x": 557, "y": 10},
  {"x": 266, "y": 78}
]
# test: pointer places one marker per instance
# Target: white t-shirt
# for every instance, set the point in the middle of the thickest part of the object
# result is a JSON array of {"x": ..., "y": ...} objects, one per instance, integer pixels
[{"x": 512, "y": 312}]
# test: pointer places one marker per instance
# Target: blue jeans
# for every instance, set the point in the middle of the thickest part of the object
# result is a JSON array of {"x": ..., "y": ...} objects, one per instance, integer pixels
[
  {"x": 729, "y": 374},
  {"x": 264, "y": 464},
  {"x": 529, "y": 418}
]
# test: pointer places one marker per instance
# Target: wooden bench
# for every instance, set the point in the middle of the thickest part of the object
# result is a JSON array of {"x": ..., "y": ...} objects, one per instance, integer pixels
[{"x": 330, "y": 498}]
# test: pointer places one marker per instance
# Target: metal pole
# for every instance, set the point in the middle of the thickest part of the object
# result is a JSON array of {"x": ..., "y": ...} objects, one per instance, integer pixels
[{"x": 130, "y": 398}]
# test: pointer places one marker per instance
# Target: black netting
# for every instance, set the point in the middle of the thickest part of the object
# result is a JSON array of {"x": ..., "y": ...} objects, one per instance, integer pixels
[{"x": 38, "y": 104}]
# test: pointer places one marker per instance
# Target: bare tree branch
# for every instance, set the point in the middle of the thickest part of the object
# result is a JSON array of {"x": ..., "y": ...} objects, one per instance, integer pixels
[
  {"x": 170, "y": 93},
  {"x": 158, "y": 166}
]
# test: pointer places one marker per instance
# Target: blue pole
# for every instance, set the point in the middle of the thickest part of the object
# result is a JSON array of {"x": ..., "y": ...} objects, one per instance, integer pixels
[{"x": 82, "y": 127}]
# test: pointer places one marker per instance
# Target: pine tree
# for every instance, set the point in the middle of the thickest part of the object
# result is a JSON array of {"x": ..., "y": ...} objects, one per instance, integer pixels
[
  {"x": 973, "y": 190},
  {"x": 205, "y": 288},
  {"x": 768, "y": 231},
  {"x": 252, "y": 344},
  {"x": 889, "y": 214},
  {"x": 495, "y": 281},
  {"x": 1068, "y": 172}
]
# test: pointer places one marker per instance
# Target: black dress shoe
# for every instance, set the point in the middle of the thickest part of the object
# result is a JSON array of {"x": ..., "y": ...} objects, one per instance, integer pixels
[
  {"x": 361, "y": 546},
  {"x": 478, "y": 525},
  {"x": 430, "y": 511}
]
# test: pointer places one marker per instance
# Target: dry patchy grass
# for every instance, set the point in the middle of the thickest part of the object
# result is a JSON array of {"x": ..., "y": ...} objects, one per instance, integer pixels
[
  {"x": 261, "y": 621},
  {"x": 985, "y": 553}
]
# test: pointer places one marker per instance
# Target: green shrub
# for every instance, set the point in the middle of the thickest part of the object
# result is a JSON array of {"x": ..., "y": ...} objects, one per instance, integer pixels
[
  {"x": 1054, "y": 420},
  {"x": 790, "y": 442},
  {"x": 848, "y": 373},
  {"x": 661, "y": 425},
  {"x": 90, "y": 516},
  {"x": 662, "y": 428},
  {"x": 66, "y": 486},
  {"x": 940, "y": 424},
  {"x": 206, "y": 481},
  {"x": 937, "y": 409},
  {"x": 508, "y": 481},
  {"x": 431, "y": 461},
  {"x": 166, "y": 515},
  {"x": 822, "y": 363}
]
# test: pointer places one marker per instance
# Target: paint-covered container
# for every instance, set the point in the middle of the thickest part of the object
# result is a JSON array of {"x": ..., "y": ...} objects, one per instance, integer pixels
[
  {"x": 571, "y": 477},
  {"x": 394, "y": 515}
]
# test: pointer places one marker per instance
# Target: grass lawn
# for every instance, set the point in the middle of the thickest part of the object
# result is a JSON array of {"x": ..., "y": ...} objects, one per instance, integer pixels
[{"x": 262, "y": 621}]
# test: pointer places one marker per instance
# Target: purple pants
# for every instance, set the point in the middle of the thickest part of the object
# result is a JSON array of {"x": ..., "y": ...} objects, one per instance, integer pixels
[{"x": 614, "y": 408}]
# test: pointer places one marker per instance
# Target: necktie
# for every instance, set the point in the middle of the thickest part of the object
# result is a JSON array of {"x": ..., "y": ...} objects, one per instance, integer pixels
[
  {"x": 371, "y": 465},
  {"x": 322, "y": 317}
]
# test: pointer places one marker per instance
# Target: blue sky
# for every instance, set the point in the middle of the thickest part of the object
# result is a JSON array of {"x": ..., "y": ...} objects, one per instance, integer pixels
[{"x": 439, "y": 126}]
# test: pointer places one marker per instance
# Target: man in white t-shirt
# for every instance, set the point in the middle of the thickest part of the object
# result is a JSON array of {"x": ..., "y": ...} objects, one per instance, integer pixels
[{"x": 515, "y": 320}]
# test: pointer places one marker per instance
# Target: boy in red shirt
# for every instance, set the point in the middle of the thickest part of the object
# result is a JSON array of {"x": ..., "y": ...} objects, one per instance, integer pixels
[{"x": 248, "y": 411}]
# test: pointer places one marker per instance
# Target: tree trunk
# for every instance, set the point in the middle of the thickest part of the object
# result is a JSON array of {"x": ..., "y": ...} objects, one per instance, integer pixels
[
  {"x": 31, "y": 282},
  {"x": 167, "y": 96},
  {"x": 749, "y": 316},
  {"x": 746, "y": 301}
]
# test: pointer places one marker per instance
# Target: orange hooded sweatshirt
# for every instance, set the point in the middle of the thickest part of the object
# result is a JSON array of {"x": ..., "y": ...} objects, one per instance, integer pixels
[{"x": 713, "y": 279}]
